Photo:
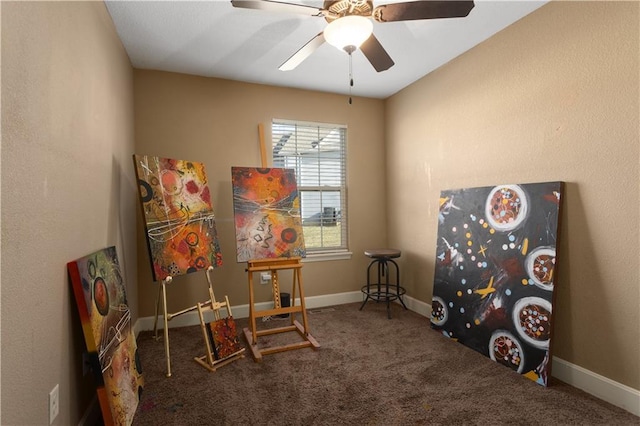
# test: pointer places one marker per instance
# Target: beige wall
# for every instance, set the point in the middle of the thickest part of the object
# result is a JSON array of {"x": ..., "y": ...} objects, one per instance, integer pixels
[
  {"x": 553, "y": 97},
  {"x": 68, "y": 189},
  {"x": 215, "y": 122}
]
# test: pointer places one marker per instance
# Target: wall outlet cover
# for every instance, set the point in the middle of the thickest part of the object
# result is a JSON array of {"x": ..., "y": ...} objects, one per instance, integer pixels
[{"x": 54, "y": 403}]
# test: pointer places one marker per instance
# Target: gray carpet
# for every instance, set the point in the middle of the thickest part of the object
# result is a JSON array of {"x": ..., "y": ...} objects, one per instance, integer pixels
[{"x": 369, "y": 370}]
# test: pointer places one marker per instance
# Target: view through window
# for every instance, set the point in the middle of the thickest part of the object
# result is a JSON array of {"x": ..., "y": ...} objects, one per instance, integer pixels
[{"x": 317, "y": 152}]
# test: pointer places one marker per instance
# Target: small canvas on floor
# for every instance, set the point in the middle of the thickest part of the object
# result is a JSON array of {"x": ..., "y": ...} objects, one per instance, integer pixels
[
  {"x": 496, "y": 271},
  {"x": 224, "y": 338}
]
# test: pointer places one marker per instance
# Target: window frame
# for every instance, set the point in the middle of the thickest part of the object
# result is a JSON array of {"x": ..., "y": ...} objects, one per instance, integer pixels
[{"x": 320, "y": 253}]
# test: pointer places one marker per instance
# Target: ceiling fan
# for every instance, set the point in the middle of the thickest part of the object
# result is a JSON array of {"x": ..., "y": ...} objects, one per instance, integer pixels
[{"x": 350, "y": 23}]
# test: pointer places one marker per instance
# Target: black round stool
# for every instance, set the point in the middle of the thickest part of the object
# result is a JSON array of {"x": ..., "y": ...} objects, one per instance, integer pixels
[{"x": 383, "y": 291}]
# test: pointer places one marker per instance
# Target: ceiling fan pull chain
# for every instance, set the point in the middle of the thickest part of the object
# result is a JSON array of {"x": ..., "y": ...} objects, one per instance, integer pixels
[{"x": 350, "y": 77}]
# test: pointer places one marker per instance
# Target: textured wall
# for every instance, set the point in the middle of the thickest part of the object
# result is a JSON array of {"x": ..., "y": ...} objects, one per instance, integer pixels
[
  {"x": 67, "y": 191},
  {"x": 215, "y": 122},
  {"x": 552, "y": 97}
]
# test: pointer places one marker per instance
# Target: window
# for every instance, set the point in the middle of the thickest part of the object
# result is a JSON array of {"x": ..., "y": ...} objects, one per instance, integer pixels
[{"x": 317, "y": 152}]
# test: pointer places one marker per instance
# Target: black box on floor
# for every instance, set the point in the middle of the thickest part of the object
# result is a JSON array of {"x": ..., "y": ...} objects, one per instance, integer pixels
[{"x": 285, "y": 302}]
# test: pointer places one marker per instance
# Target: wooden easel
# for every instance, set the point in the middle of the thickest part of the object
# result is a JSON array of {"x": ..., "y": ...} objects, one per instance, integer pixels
[
  {"x": 162, "y": 295},
  {"x": 273, "y": 266},
  {"x": 208, "y": 360}
]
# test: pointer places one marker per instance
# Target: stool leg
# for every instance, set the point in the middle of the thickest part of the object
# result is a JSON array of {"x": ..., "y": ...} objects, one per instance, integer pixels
[
  {"x": 368, "y": 293},
  {"x": 364, "y": 302},
  {"x": 398, "y": 288},
  {"x": 380, "y": 275},
  {"x": 387, "y": 295}
]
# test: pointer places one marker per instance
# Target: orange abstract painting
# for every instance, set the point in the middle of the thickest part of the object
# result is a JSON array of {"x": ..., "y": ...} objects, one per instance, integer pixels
[
  {"x": 266, "y": 208},
  {"x": 224, "y": 338},
  {"x": 178, "y": 214},
  {"x": 100, "y": 295}
]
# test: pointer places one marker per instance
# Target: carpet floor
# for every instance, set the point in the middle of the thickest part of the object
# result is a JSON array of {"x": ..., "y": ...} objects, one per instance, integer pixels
[{"x": 369, "y": 370}]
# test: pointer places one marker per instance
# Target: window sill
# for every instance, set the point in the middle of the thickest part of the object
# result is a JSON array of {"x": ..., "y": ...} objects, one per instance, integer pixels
[{"x": 327, "y": 256}]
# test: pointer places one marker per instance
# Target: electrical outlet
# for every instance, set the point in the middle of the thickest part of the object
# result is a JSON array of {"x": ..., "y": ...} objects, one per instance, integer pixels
[
  {"x": 54, "y": 404},
  {"x": 265, "y": 277}
]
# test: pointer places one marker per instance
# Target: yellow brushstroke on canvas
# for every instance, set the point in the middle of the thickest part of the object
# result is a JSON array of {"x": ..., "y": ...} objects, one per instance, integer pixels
[{"x": 484, "y": 292}]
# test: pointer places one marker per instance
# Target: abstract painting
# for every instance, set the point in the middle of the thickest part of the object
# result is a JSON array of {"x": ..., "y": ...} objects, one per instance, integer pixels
[
  {"x": 266, "y": 208},
  {"x": 179, "y": 220},
  {"x": 101, "y": 298},
  {"x": 496, "y": 271},
  {"x": 223, "y": 338}
]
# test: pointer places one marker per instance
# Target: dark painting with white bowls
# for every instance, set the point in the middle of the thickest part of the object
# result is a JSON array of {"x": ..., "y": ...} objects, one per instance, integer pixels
[{"x": 496, "y": 271}]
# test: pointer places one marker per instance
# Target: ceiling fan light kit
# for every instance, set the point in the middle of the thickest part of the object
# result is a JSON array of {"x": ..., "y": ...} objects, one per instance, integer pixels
[
  {"x": 349, "y": 31},
  {"x": 350, "y": 23}
]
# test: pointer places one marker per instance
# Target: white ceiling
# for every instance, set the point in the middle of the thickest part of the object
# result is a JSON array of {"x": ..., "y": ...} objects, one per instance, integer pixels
[{"x": 214, "y": 39}]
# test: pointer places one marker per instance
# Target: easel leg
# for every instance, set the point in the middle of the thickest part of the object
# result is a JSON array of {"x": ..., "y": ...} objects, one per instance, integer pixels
[
  {"x": 166, "y": 327},
  {"x": 293, "y": 293},
  {"x": 203, "y": 326},
  {"x": 212, "y": 298},
  {"x": 254, "y": 340},
  {"x": 298, "y": 274},
  {"x": 155, "y": 323}
]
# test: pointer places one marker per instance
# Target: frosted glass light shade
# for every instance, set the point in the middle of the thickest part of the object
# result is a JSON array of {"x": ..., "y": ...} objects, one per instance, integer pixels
[{"x": 348, "y": 31}]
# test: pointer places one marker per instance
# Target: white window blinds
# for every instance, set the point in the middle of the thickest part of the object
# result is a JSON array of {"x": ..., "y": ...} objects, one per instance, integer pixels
[{"x": 317, "y": 152}]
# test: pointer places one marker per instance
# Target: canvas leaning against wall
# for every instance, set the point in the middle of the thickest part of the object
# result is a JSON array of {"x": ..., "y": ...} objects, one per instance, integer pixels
[
  {"x": 178, "y": 215},
  {"x": 496, "y": 271},
  {"x": 266, "y": 207},
  {"x": 101, "y": 298}
]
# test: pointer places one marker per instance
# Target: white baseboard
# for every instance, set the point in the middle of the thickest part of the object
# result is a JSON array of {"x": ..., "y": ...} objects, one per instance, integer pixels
[
  {"x": 242, "y": 311},
  {"x": 417, "y": 306},
  {"x": 599, "y": 386}
]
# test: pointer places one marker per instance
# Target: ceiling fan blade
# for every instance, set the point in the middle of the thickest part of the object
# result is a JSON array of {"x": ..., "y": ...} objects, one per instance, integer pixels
[
  {"x": 303, "y": 53},
  {"x": 276, "y": 6},
  {"x": 376, "y": 54},
  {"x": 414, "y": 10}
]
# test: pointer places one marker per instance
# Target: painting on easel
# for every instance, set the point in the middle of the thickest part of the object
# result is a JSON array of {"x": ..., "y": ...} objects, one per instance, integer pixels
[
  {"x": 266, "y": 208},
  {"x": 100, "y": 295},
  {"x": 496, "y": 271},
  {"x": 179, "y": 219},
  {"x": 224, "y": 338}
]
